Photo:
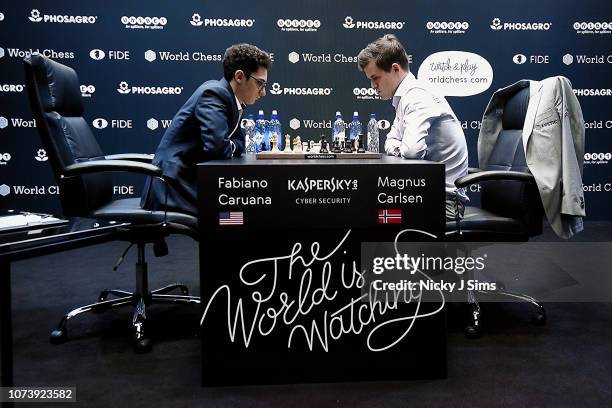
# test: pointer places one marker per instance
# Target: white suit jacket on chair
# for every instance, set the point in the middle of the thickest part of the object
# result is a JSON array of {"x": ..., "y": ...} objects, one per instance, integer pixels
[{"x": 553, "y": 140}]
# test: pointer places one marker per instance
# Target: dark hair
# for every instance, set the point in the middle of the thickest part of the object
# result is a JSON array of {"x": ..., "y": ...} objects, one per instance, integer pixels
[
  {"x": 245, "y": 57},
  {"x": 385, "y": 51}
]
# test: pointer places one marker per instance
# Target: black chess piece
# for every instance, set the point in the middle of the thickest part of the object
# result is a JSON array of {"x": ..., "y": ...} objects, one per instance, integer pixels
[
  {"x": 263, "y": 146},
  {"x": 323, "y": 145},
  {"x": 308, "y": 146},
  {"x": 360, "y": 148},
  {"x": 336, "y": 147},
  {"x": 348, "y": 146}
]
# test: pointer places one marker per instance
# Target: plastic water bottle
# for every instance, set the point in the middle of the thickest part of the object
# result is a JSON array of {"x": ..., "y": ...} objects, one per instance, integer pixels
[
  {"x": 373, "y": 140},
  {"x": 355, "y": 126},
  {"x": 338, "y": 130},
  {"x": 249, "y": 130},
  {"x": 260, "y": 131},
  {"x": 275, "y": 128}
]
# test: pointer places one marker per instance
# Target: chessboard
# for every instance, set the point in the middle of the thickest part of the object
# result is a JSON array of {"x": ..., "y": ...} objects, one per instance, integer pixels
[{"x": 307, "y": 155}]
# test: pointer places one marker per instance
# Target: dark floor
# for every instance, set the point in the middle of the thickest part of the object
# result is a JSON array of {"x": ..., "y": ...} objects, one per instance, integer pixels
[{"x": 566, "y": 363}]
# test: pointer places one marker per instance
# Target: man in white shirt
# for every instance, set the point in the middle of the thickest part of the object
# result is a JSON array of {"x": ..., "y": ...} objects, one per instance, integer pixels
[{"x": 425, "y": 126}]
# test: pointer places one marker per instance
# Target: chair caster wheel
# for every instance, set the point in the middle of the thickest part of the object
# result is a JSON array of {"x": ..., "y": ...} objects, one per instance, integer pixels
[
  {"x": 471, "y": 331},
  {"x": 58, "y": 336},
  {"x": 184, "y": 291},
  {"x": 143, "y": 345},
  {"x": 540, "y": 319}
]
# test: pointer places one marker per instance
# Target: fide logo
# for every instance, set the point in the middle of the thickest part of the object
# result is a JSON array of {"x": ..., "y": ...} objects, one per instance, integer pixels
[
  {"x": 519, "y": 59},
  {"x": 41, "y": 155},
  {"x": 35, "y": 16},
  {"x": 97, "y": 54},
  {"x": 100, "y": 123},
  {"x": 276, "y": 89},
  {"x": 1, "y": 16},
  {"x": 196, "y": 20}
]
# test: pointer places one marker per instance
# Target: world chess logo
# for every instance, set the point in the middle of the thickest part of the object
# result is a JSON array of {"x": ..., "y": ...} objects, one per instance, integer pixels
[
  {"x": 294, "y": 57},
  {"x": 41, "y": 155},
  {"x": 150, "y": 55},
  {"x": 123, "y": 88},
  {"x": 3, "y": 122},
  {"x": 1, "y": 16},
  {"x": 1, "y": 52},
  {"x": 348, "y": 22},
  {"x": 294, "y": 124},
  {"x": 496, "y": 24},
  {"x": 568, "y": 59},
  {"x": 152, "y": 123},
  {"x": 276, "y": 89},
  {"x": 97, "y": 54},
  {"x": 100, "y": 123},
  {"x": 196, "y": 20},
  {"x": 35, "y": 16},
  {"x": 5, "y": 190}
]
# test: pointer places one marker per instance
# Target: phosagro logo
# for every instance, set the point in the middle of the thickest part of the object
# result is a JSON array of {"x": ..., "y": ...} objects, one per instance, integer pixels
[
  {"x": 4, "y": 158},
  {"x": 372, "y": 25},
  {"x": 278, "y": 90},
  {"x": 36, "y": 17},
  {"x": 497, "y": 25},
  {"x": 196, "y": 21},
  {"x": 592, "y": 28},
  {"x": 286, "y": 24},
  {"x": 124, "y": 89},
  {"x": 365, "y": 93},
  {"x": 12, "y": 88},
  {"x": 597, "y": 158},
  {"x": 148, "y": 23},
  {"x": 87, "y": 91},
  {"x": 444, "y": 27},
  {"x": 41, "y": 155},
  {"x": 593, "y": 92}
]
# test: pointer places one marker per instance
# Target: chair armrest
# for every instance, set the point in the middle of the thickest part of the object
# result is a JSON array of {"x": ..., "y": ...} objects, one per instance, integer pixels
[
  {"x": 138, "y": 157},
  {"x": 488, "y": 175},
  {"x": 97, "y": 166},
  {"x": 472, "y": 170}
]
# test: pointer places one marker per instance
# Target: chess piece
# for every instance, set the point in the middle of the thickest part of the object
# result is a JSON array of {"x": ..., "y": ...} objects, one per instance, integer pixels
[
  {"x": 297, "y": 145},
  {"x": 309, "y": 146},
  {"x": 263, "y": 146},
  {"x": 287, "y": 146},
  {"x": 274, "y": 142},
  {"x": 336, "y": 148},
  {"x": 323, "y": 145},
  {"x": 348, "y": 146}
]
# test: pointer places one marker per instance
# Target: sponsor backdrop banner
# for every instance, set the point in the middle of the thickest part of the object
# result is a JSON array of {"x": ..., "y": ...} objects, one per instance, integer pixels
[{"x": 139, "y": 61}]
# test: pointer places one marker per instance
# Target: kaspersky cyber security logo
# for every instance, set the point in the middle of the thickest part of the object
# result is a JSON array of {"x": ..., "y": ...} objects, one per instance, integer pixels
[
  {"x": 350, "y": 23},
  {"x": 36, "y": 17}
]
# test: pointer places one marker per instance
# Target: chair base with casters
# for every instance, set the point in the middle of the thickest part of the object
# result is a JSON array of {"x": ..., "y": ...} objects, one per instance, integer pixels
[
  {"x": 141, "y": 298},
  {"x": 480, "y": 225}
]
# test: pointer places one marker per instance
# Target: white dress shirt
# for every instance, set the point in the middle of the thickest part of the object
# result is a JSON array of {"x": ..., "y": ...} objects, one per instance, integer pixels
[
  {"x": 425, "y": 127},
  {"x": 237, "y": 125}
]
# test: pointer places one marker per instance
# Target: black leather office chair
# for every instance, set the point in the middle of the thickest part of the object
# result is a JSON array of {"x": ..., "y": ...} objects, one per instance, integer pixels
[
  {"x": 83, "y": 174},
  {"x": 511, "y": 209}
]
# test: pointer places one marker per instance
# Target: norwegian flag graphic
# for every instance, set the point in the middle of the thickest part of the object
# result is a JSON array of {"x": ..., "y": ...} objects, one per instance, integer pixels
[{"x": 389, "y": 216}]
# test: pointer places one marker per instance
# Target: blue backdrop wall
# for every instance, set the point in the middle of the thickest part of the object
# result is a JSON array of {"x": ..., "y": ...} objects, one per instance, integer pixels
[{"x": 139, "y": 61}]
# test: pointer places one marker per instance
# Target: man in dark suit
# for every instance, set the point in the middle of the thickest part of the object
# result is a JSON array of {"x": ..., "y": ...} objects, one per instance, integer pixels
[{"x": 207, "y": 127}]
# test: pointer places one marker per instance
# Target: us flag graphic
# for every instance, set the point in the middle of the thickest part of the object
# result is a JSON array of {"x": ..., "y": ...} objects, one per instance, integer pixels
[
  {"x": 231, "y": 218},
  {"x": 389, "y": 216}
]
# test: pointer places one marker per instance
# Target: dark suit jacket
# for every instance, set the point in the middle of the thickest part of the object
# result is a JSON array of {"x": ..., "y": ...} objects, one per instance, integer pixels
[{"x": 200, "y": 131}]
